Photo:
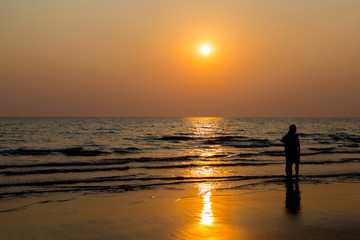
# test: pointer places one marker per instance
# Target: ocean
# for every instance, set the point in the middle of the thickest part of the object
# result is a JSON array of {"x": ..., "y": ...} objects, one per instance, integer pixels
[{"x": 101, "y": 155}]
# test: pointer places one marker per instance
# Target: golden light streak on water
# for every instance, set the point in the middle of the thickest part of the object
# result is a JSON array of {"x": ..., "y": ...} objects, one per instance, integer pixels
[
  {"x": 206, "y": 127},
  {"x": 207, "y": 217},
  {"x": 203, "y": 172}
]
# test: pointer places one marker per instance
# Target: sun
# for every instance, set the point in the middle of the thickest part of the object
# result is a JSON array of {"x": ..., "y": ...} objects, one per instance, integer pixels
[{"x": 205, "y": 49}]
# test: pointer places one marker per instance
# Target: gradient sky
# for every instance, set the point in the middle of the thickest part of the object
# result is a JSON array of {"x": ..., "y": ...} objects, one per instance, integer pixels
[{"x": 141, "y": 58}]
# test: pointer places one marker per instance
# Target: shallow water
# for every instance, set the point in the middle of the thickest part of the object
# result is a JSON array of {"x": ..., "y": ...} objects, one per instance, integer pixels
[{"x": 49, "y": 155}]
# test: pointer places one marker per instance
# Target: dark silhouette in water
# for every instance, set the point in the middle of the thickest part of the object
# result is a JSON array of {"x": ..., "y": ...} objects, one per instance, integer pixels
[
  {"x": 292, "y": 151},
  {"x": 293, "y": 198}
]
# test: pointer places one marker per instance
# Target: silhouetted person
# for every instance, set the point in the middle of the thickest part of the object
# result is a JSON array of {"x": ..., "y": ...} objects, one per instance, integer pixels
[
  {"x": 292, "y": 196},
  {"x": 292, "y": 151}
]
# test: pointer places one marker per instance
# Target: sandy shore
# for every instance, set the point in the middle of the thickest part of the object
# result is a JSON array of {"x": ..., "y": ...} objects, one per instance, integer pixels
[{"x": 194, "y": 211}]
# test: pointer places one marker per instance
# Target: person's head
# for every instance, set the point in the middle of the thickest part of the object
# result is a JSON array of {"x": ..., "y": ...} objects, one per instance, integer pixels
[{"x": 292, "y": 128}]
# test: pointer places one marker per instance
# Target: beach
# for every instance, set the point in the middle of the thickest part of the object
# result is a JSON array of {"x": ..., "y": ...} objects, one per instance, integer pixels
[
  {"x": 177, "y": 178},
  {"x": 191, "y": 211}
]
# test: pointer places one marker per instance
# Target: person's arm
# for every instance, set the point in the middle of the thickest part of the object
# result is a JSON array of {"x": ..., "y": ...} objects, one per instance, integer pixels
[
  {"x": 298, "y": 144},
  {"x": 283, "y": 140}
]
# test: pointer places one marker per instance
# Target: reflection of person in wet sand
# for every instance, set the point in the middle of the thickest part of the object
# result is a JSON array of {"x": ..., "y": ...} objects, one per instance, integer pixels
[
  {"x": 292, "y": 151},
  {"x": 292, "y": 196}
]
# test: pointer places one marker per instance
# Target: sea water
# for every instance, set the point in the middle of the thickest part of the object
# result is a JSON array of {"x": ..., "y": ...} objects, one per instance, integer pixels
[{"x": 94, "y": 155}]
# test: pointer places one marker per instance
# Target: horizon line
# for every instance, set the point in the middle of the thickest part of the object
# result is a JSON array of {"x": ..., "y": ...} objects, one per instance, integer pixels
[{"x": 179, "y": 117}]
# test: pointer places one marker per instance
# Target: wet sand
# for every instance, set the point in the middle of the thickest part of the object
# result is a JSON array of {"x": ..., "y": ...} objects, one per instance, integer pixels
[{"x": 194, "y": 211}]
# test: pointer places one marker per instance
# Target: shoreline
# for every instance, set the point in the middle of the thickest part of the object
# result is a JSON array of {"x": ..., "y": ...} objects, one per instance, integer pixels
[{"x": 192, "y": 211}]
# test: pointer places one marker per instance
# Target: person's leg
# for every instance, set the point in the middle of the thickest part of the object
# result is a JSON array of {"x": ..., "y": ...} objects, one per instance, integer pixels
[
  {"x": 287, "y": 170},
  {"x": 297, "y": 169},
  {"x": 288, "y": 167}
]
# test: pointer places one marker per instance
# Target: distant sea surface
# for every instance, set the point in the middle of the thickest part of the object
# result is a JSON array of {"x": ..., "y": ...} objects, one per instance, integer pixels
[{"x": 91, "y": 155}]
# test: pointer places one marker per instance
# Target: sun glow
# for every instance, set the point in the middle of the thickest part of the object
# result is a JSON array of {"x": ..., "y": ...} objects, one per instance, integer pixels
[{"x": 205, "y": 49}]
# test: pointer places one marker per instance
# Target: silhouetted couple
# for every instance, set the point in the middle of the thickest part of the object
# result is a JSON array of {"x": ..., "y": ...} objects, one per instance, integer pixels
[{"x": 292, "y": 151}]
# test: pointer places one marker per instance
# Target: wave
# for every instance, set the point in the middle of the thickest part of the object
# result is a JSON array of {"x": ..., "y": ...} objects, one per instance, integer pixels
[
  {"x": 344, "y": 136},
  {"x": 244, "y": 162},
  {"x": 234, "y": 163},
  {"x": 223, "y": 139},
  {"x": 75, "y": 151},
  {"x": 175, "y": 138},
  {"x": 216, "y": 156},
  {"x": 82, "y": 152},
  {"x": 211, "y": 165},
  {"x": 103, "y": 162},
  {"x": 322, "y": 149},
  {"x": 128, "y": 150},
  {"x": 128, "y": 178},
  {"x": 247, "y": 154},
  {"x": 153, "y": 182},
  {"x": 229, "y": 139},
  {"x": 251, "y": 145},
  {"x": 67, "y": 164},
  {"x": 94, "y": 169},
  {"x": 21, "y": 151},
  {"x": 346, "y": 160},
  {"x": 274, "y": 153},
  {"x": 355, "y": 139},
  {"x": 63, "y": 170},
  {"x": 317, "y": 151},
  {"x": 354, "y": 145}
]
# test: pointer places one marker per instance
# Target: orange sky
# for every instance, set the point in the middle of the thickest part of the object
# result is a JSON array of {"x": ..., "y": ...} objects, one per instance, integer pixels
[{"x": 141, "y": 58}]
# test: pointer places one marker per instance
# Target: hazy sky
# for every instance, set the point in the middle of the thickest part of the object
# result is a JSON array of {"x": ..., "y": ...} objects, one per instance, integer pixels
[{"x": 275, "y": 58}]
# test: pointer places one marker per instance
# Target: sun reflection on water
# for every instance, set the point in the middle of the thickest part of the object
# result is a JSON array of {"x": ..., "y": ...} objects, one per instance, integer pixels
[
  {"x": 205, "y": 128},
  {"x": 206, "y": 214},
  {"x": 207, "y": 217},
  {"x": 203, "y": 172}
]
